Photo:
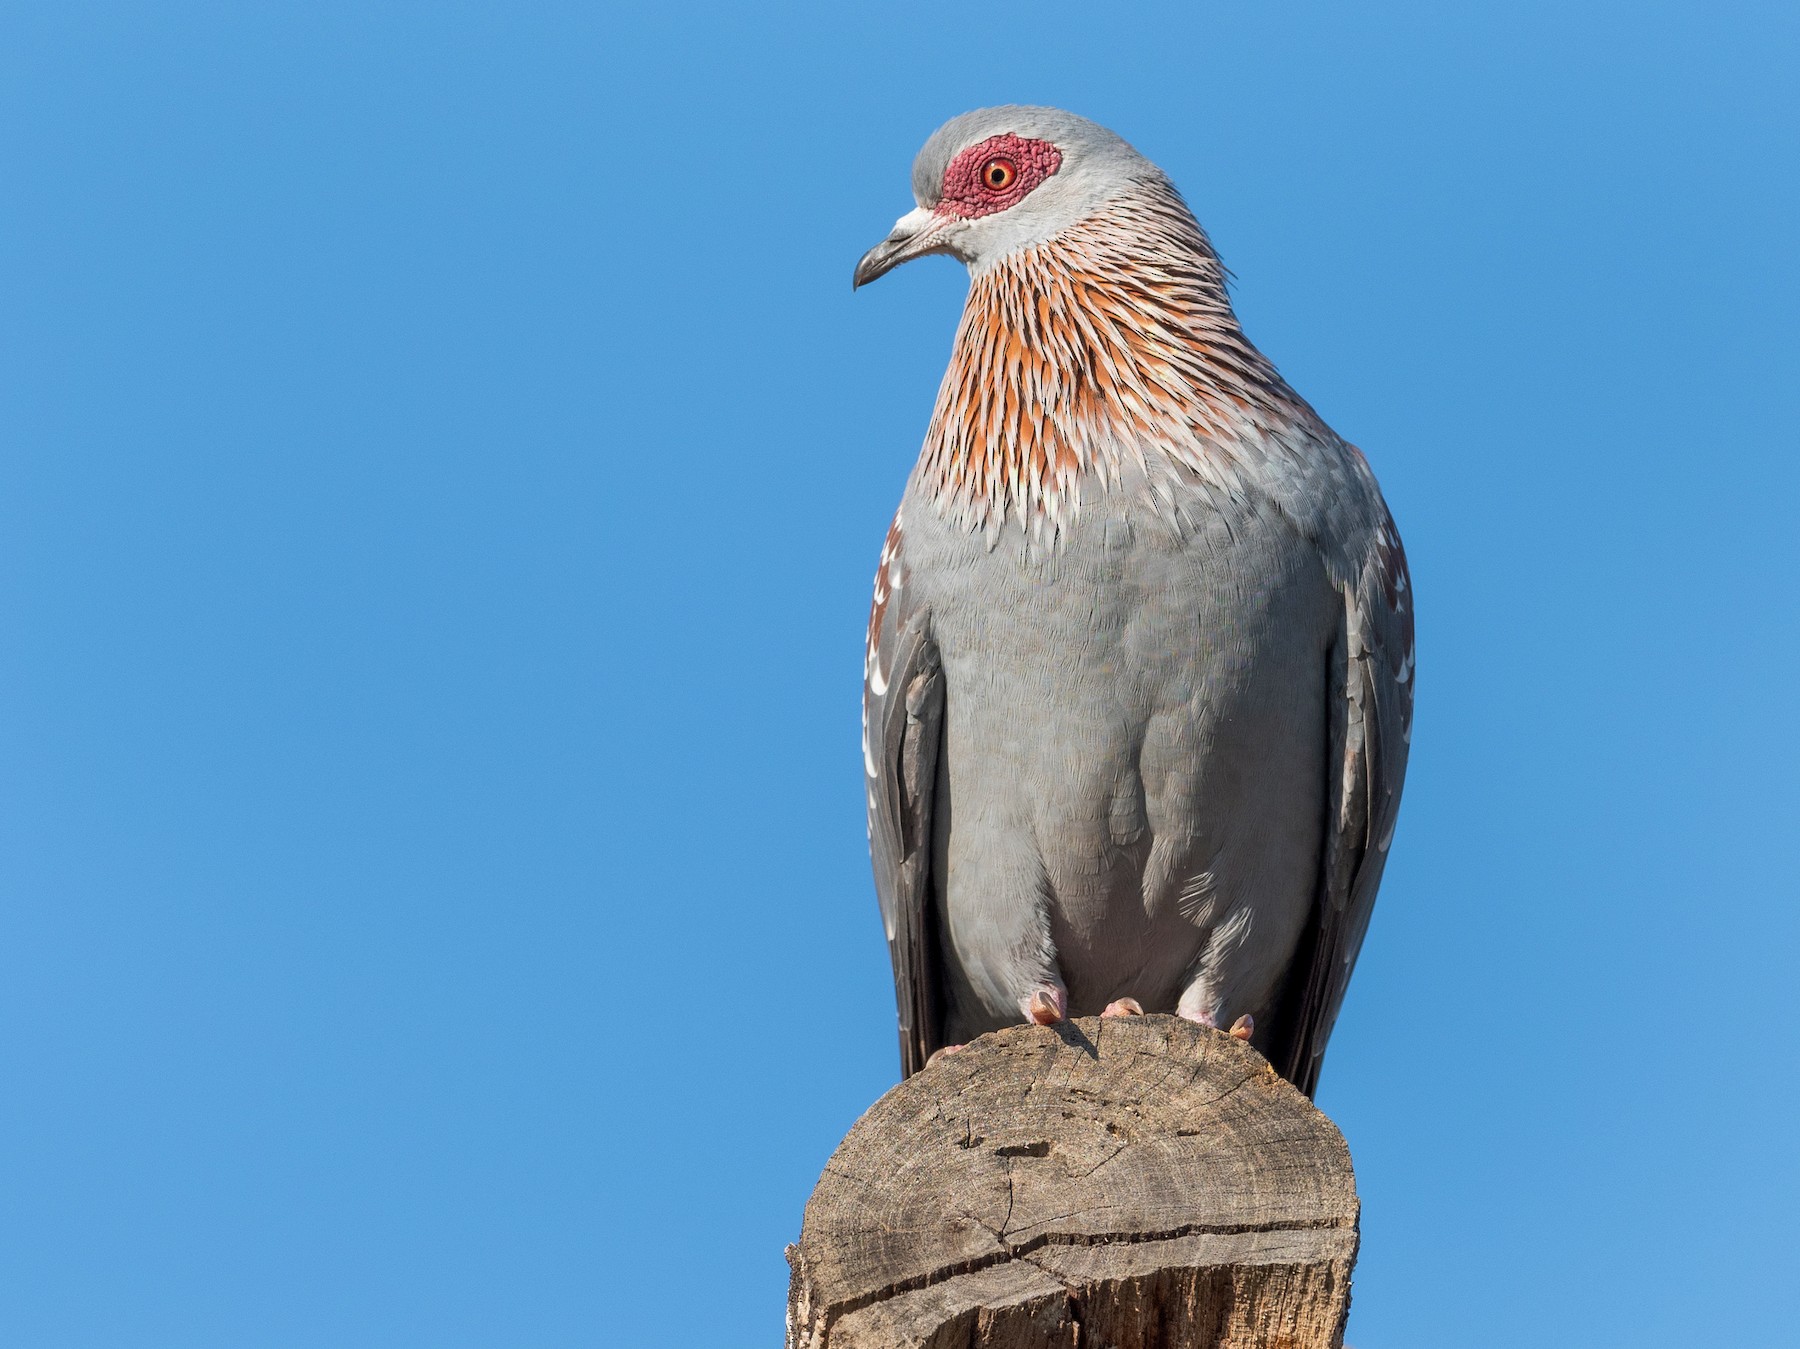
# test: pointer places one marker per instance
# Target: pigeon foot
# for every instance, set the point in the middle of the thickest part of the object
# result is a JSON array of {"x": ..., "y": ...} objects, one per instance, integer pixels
[
  {"x": 1046, "y": 1005},
  {"x": 1243, "y": 1027},
  {"x": 1124, "y": 1007},
  {"x": 944, "y": 1053}
]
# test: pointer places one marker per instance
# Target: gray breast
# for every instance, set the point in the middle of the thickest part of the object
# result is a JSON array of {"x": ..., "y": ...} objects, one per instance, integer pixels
[{"x": 1133, "y": 766}]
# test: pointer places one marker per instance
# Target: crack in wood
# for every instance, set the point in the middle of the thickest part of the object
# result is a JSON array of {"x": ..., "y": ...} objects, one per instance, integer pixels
[
  {"x": 1204, "y": 1242},
  {"x": 1024, "y": 1250}
]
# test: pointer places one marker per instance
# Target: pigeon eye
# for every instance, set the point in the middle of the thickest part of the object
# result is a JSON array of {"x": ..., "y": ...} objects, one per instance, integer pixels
[{"x": 999, "y": 174}]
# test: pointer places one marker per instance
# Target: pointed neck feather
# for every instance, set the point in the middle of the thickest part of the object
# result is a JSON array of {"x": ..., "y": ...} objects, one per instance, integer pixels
[{"x": 1109, "y": 351}]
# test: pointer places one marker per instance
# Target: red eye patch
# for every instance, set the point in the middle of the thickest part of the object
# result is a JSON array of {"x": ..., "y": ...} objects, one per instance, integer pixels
[{"x": 996, "y": 174}]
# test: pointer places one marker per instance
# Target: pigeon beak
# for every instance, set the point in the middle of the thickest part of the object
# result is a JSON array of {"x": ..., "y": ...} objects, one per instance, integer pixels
[{"x": 915, "y": 234}]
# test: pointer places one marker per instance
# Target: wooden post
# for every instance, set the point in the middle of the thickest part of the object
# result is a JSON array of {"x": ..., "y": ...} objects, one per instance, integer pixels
[{"x": 1138, "y": 1183}]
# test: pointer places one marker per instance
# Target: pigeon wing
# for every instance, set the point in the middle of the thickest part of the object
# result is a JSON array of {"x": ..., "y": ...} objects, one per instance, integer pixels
[
  {"x": 1370, "y": 691},
  {"x": 903, "y": 721}
]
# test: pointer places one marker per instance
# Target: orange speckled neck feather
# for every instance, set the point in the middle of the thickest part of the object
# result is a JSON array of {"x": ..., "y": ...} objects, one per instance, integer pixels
[{"x": 1108, "y": 347}]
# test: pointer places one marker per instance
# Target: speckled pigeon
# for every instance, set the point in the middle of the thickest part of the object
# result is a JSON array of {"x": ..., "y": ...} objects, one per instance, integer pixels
[{"x": 1139, "y": 674}]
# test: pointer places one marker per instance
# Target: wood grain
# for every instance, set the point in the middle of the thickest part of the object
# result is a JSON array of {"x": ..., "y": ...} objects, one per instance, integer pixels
[{"x": 1130, "y": 1183}]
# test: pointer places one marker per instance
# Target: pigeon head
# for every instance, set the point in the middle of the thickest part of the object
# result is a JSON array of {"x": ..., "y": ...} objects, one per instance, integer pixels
[{"x": 996, "y": 180}]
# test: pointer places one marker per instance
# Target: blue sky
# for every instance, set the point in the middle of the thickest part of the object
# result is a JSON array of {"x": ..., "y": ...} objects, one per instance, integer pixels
[{"x": 444, "y": 465}]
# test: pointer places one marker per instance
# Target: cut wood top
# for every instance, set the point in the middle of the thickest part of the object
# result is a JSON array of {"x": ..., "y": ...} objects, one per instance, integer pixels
[{"x": 1036, "y": 1145}]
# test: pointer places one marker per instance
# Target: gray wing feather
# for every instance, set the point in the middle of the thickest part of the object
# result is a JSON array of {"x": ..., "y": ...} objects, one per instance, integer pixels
[
  {"x": 1371, "y": 693},
  {"x": 902, "y": 734}
]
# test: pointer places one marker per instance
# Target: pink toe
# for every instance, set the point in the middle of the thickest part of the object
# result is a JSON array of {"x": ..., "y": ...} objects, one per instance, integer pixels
[{"x": 1045, "y": 1006}]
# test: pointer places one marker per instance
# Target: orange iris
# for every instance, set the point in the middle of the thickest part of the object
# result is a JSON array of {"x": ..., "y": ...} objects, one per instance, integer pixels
[{"x": 999, "y": 174}]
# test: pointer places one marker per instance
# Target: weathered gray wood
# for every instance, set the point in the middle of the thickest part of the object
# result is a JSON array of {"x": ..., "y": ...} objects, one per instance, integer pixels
[{"x": 1139, "y": 1183}]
